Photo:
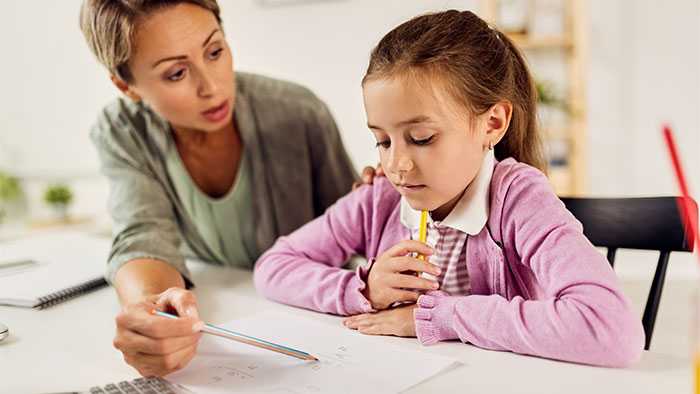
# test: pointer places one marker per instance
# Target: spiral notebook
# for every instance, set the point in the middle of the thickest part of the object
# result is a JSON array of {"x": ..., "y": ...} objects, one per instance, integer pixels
[{"x": 43, "y": 270}]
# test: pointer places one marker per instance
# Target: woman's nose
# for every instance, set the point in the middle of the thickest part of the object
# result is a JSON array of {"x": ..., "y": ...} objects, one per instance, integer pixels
[{"x": 207, "y": 85}]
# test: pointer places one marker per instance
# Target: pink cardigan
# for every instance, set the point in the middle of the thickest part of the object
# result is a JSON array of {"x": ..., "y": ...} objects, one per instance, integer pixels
[{"x": 538, "y": 285}]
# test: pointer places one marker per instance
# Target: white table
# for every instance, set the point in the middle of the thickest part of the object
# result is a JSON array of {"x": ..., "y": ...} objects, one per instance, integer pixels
[{"x": 69, "y": 347}]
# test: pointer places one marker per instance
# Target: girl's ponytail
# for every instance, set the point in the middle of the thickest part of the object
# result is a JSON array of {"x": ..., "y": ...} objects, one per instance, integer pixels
[{"x": 522, "y": 141}]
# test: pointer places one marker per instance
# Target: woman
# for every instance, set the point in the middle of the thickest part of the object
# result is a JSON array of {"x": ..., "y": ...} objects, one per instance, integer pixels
[{"x": 195, "y": 155}]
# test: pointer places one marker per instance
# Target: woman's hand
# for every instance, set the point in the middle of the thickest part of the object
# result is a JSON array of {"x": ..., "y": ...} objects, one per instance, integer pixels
[
  {"x": 155, "y": 345},
  {"x": 367, "y": 176},
  {"x": 397, "y": 321},
  {"x": 393, "y": 276}
]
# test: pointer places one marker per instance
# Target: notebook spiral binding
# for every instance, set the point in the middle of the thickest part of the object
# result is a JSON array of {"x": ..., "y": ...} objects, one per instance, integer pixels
[{"x": 70, "y": 292}]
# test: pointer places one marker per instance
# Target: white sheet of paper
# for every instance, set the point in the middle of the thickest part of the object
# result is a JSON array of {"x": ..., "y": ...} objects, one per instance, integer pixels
[{"x": 348, "y": 361}]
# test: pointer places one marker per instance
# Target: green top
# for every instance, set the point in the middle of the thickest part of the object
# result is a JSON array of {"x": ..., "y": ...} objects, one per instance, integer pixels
[
  {"x": 222, "y": 222},
  {"x": 295, "y": 159}
]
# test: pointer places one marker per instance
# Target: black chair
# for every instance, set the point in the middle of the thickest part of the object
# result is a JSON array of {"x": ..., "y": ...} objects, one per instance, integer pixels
[{"x": 636, "y": 223}]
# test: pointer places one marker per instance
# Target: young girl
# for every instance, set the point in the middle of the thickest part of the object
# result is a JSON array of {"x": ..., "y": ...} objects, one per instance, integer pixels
[{"x": 452, "y": 106}]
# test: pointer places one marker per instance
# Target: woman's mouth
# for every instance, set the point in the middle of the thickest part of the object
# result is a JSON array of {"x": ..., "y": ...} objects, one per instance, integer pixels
[{"x": 216, "y": 114}]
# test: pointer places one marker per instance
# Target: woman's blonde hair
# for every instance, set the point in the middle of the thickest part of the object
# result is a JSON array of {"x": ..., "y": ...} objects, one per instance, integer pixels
[
  {"x": 478, "y": 65},
  {"x": 109, "y": 27}
]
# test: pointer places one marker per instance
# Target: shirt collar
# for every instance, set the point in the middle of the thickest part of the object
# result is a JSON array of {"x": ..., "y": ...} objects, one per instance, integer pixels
[{"x": 472, "y": 210}]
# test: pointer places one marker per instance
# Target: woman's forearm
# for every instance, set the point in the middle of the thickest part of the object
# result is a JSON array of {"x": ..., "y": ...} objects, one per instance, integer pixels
[{"x": 143, "y": 277}]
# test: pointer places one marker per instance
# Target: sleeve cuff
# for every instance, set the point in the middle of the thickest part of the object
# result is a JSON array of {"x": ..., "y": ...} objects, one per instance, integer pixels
[
  {"x": 355, "y": 301},
  {"x": 434, "y": 317}
]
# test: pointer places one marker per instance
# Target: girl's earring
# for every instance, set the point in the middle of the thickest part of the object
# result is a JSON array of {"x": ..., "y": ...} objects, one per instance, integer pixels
[{"x": 490, "y": 145}]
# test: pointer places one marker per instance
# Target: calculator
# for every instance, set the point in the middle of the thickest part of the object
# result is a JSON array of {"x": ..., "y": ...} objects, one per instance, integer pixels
[{"x": 140, "y": 386}]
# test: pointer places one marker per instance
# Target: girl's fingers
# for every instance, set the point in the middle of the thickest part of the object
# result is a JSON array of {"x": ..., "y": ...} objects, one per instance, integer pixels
[
  {"x": 374, "y": 325},
  {"x": 405, "y": 295},
  {"x": 356, "y": 321},
  {"x": 409, "y": 246},
  {"x": 351, "y": 322},
  {"x": 406, "y": 263},
  {"x": 401, "y": 281},
  {"x": 372, "y": 329}
]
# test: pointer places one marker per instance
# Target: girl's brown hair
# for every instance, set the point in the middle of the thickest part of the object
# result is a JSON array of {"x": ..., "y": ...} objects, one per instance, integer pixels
[
  {"x": 109, "y": 27},
  {"x": 479, "y": 66}
]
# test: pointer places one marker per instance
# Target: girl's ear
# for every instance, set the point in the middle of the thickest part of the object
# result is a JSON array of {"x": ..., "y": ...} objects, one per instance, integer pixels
[
  {"x": 124, "y": 88},
  {"x": 497, "y": 122}
]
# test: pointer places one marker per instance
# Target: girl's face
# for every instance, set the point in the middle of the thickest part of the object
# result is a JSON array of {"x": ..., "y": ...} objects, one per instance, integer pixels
[
  {"x": 183, "y": 68},
  {"x": 428, "y": 147}
]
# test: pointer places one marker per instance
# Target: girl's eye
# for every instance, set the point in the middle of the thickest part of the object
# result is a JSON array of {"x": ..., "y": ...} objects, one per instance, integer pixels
[
  {"x": 176, "y": 76},
  {"x": 424, "y": 141},
  {"x": 216, "y": 54},
  {"x": 383, "y": 144}
]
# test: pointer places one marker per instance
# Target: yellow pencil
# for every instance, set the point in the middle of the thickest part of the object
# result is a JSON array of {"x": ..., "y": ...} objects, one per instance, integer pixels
[{"x": 423, "y": 230}]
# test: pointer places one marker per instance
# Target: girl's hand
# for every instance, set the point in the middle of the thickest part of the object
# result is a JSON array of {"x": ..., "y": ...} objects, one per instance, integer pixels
[
  {"x": 155, "y": 345},
  {"x": 397, "y": 321},
  {"x": 368, "y": 174},
  {"x": 392, "y": 277}
]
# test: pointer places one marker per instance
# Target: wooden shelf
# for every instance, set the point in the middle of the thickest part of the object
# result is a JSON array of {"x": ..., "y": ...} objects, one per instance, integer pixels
[
  {"x": 51, "y": 223},
  {"x": 528, "y": 42}
]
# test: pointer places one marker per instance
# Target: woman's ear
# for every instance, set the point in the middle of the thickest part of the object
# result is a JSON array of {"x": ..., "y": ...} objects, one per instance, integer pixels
[
  {"x": 124, "y": 88},
  {"x": 497, "y": 122}
]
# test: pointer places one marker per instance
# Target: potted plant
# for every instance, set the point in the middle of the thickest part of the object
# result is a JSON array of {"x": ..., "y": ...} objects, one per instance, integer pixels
[
  {"x": 10, "y": 192},
  {"x": 59, "y": 197}
]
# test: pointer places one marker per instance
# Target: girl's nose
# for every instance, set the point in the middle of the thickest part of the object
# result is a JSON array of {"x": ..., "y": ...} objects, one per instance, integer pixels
[
  {"x": 405, "y": 164},
  {"x": 400, "y": 162}
]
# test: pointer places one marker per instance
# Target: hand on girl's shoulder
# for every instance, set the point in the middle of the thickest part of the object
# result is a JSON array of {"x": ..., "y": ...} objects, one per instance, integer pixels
[{"x": 368, "y": 175}]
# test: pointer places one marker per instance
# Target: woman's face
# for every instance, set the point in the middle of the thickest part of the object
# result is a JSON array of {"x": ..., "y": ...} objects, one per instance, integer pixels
[{"x": 182, "y": 67}]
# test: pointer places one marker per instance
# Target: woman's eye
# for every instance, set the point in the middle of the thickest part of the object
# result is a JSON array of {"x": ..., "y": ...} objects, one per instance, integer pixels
[
  {"x": 383, "y": 144},
  {"x": 216, "y": 54},
  {"x": 176, "y": 76},
  {"x": 424, "y": 141}
]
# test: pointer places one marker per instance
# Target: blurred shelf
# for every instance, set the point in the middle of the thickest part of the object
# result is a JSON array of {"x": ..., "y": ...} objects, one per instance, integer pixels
[
  {"x": 24, "y": 228},
  {"x": 70, "y": 221},
  {"x": 529, "y": 42}
]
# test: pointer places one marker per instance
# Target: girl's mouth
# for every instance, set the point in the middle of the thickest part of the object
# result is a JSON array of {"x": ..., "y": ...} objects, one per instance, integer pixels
[{"x": 410, "y": 188}]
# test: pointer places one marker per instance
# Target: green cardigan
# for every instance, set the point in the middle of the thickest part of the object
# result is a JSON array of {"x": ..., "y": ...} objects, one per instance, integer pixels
[{"x": 298, "y": 164}]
